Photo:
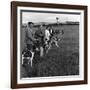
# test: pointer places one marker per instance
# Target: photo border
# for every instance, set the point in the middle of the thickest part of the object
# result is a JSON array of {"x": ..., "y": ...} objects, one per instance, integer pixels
[{"x": 14, "y": 5}]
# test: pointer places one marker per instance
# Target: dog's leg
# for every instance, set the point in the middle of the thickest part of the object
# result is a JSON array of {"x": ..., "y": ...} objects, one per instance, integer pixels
[
  {"x": 41, "y": 51},
  {"x": 47, "y": 51},
  {"x": 56, "y": 44},
  {"x": 23, "y": 58},
  {"x": 49, "y": 47}
]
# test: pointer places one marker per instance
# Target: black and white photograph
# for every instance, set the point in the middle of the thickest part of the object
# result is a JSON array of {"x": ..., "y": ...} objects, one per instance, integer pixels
[{"x": 49, "y": 44}]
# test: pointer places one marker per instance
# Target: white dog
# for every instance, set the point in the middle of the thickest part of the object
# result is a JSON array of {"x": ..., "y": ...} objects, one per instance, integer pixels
[{"x": 28, "y": 55}]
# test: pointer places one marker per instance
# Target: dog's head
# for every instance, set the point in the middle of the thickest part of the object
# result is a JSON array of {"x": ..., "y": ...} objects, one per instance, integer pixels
[{"x": 27, "y": 54}]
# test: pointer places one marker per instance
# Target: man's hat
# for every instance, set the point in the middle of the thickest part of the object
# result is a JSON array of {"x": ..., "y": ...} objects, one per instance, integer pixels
[{"x": 30, "y": 23}]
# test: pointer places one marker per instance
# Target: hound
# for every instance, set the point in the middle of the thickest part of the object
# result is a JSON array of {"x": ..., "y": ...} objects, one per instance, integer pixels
[
  {"x": 54, "y": 40},
  {"x": 28, "y": 55}
]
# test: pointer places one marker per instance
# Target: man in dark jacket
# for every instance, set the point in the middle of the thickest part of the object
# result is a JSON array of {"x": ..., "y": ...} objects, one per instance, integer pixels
[
  {"x": 39, "y": 34},
  {"x": 30, "y": 36}
]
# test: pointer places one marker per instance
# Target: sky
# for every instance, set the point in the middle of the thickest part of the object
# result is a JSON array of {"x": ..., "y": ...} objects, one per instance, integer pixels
[{"x": 48, "y": 17}]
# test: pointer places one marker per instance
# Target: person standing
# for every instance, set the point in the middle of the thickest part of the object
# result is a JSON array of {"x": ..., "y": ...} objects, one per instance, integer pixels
[
  {"x": 47, "y": 35},
  {"x": 30, "y": 36},
  {"x": 39, "y": 34}
]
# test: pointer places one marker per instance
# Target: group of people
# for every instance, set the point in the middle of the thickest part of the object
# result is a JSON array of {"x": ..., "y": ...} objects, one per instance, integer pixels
[{"x": 39, "y": 40}]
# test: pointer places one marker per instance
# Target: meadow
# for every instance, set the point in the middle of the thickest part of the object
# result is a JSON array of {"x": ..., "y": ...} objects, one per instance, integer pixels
[{"x": 60, "y": 61}]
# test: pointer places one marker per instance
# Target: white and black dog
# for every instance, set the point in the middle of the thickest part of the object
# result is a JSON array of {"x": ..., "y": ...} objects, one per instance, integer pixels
[
  {"x": 28, "y": 55},
  {"x": 54, "y": 40}
]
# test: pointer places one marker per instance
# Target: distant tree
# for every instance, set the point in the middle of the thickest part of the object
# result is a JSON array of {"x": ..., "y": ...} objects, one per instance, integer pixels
[{"x": 57, "y": 19}]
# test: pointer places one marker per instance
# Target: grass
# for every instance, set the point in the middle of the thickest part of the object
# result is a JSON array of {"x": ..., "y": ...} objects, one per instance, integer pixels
[{"x": 60, "y": 61}]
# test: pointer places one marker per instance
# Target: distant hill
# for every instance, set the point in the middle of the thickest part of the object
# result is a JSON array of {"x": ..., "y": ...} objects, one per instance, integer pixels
[{"x": 49, "y": 23}]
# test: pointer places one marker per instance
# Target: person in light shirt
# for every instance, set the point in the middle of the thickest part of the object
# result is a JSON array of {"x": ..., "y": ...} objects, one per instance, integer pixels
[{"x": 47, "y": 35}]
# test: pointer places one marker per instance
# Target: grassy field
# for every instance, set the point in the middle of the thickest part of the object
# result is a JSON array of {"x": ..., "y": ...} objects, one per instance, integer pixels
[{"x": 59, "y": 61}]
